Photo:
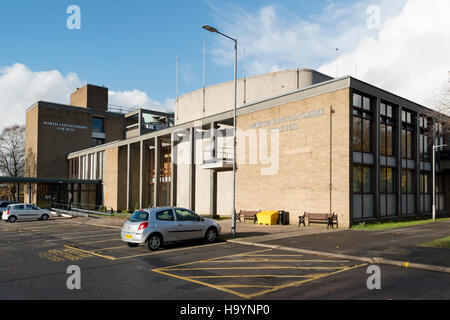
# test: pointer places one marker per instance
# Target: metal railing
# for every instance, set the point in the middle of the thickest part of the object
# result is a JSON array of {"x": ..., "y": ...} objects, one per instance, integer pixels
[
  {"x": 224, "y": 154},
  {"x": 84, "y": 208}
]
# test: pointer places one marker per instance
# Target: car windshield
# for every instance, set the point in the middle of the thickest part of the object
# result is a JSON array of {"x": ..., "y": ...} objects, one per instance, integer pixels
[{"x": 139, "y": 216}]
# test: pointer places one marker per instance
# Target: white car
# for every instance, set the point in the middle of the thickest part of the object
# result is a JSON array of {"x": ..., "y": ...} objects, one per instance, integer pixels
[
  {"x": 25, "y": 212},
  {"x": 159, "y": 225}
]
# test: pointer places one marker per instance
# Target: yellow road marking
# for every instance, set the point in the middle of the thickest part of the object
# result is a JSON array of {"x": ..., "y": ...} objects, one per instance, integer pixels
[
  {"x": 303, "y": 282},
  {"x": 227, "y": 288},
  {"x": 98, "y": 241},
  {"x": 252, "y": 276},
  {"x": 169, "y": 251},
  {"x": 266, "y": 260},
  {"x": 93, "y": 253},
  {"x": 253, "y": 268}
]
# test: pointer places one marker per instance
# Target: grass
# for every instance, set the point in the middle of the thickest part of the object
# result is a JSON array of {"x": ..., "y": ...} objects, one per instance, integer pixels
[
  {"x": 394, "y": 225},
  {"x": 443, "y": 243}
]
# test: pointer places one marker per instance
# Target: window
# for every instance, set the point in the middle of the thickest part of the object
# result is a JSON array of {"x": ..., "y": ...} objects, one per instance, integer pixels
[
  {"x": 408, "y": 192},
  {"x": 184, "y": 215},
  {"x": 166, "y": 215},
  {"x": 387, "y": 192},
  {"x": 440, "y": 193},
  {"x": 139, "y": 216},
  {"x": 30, "y": 207},
  {"x": 386, "y": 130},
  {"x": 362, "y": 124},
  {"x": 407, "y": 136},
  {"x": 362, "y": 192},
  {"x": 97, "y": 142},
  {"x": 97, "y": 125},
  {"x": 387, "y": 184}
]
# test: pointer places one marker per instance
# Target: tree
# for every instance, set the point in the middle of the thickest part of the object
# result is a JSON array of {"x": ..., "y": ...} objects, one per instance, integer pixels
[
  {"x": 441, "y": 112},
  {"x": 12, "y": 151},
  {"x": 12, "y": 154}
]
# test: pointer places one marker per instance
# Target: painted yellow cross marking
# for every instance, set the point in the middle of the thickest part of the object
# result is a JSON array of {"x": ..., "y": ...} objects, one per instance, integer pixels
[{"x": 262, "y": 273}]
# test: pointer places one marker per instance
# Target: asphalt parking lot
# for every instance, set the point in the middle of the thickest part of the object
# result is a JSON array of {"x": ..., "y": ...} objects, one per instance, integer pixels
[{"x": 34, "y": 257}]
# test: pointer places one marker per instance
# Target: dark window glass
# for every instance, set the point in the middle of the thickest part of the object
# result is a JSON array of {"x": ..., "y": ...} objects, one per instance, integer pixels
[
  {"x": 383, "y": 139},
  {"x": 97, "y": 125},
  {"x": 166, "y": 215},
  {"x": 139, "y": 216},
  {"x": 367, "y": 136},
  {"x": 390, "y": 141},
  {"x": 184, "y": 215},
  {"x": 404, "y": 143},
  {"x": 383, "y": 181},
  {"x": 390, "y": 180},
  {"x": 357, "y": 179},
  {"x": 367, "y": 180},
  {"x": 409, "y": 144},
  {"x": 357, "y": 134}
]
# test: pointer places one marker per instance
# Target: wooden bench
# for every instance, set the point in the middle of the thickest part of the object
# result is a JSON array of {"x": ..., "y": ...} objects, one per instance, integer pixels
[
  {"x": 247, "y": 215},
  {"x": 329, "y": 219}
]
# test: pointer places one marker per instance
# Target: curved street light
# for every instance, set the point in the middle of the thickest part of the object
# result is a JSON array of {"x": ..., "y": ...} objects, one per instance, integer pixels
[{"x": 214, "y": 30}]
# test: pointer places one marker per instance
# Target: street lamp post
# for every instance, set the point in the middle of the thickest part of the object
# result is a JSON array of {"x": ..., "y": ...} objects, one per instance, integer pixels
[
  {"x": 434, "y": 179},
  {"x": 214, "y": 30}
]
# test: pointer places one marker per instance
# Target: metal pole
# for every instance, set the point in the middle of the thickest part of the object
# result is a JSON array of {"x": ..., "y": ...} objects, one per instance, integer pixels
[
  {"x": 434, "y": 183},
  {"x": 233, "y": 230}
]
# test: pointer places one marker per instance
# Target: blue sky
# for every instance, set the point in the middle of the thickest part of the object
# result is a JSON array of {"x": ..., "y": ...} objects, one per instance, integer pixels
[
  {"x": 123, "y": 44},
  {"x": 130, "y": 46}
]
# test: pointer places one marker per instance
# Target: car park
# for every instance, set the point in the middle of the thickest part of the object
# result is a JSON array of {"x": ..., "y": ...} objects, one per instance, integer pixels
[
  {"x": 156, "y": 226},
  {"x": 19, "y": 212}
]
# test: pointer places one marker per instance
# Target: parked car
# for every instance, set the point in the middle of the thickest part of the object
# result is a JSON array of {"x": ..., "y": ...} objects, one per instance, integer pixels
[
  {"x": 4, "y": 205},
  {"x": 17, "y": 212},
  {"x": 160, "y": 225}
]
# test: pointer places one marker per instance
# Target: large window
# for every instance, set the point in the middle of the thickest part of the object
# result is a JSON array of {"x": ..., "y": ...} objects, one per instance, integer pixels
[
  {"x": 98, "y": 125},
  {"x": 362, "y": 124},
  {"x": 386, "y": 130},
  {"x": 387, "y": 192},
  {"x": 408, "y": 192},
  {"x": 407, "y": 135},
  {"x": 362, "y": 192},
  {"x": 440, "y": 193}
]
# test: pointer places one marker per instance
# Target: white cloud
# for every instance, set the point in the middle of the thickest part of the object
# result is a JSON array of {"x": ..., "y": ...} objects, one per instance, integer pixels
[
  {"x": 408, "y": 55},
  {"x": 139, "y": 99},
  {"x": 270, "y": 35},
  {"x": 20, "y": 87}
]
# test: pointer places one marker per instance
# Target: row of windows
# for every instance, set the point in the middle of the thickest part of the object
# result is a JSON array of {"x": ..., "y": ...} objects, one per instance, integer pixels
[
  {"x": 362, "y": 138},
  {"x": 363, "y": 181},
  {"x": 363, "y": 192}
]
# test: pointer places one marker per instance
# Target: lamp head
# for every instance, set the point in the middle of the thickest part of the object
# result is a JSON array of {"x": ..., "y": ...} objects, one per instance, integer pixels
[{"x": 210, "y": 29}]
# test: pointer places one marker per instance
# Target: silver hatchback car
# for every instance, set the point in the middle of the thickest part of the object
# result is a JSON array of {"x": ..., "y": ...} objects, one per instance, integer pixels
[
  {"x": 159, "y": 225},
  {"x": 25, "y": 212}
]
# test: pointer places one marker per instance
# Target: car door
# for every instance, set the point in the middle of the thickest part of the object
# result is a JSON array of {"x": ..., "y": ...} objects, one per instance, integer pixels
[
  {"x": 189, "y": 225},
  {"x": 32, "y": 212},
  {"x": 20, "y": 212},
  {"x": 166, "y": 224}
]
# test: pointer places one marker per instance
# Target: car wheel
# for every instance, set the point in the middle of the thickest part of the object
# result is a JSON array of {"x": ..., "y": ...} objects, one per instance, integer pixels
[
  {"x": 45, "y": 217},
  {"x": 12, "y": 219},
  {"x": 132, "y": 245},
  {"x": 211, "y": 235},
  {"x": 154, "y": 242}
]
